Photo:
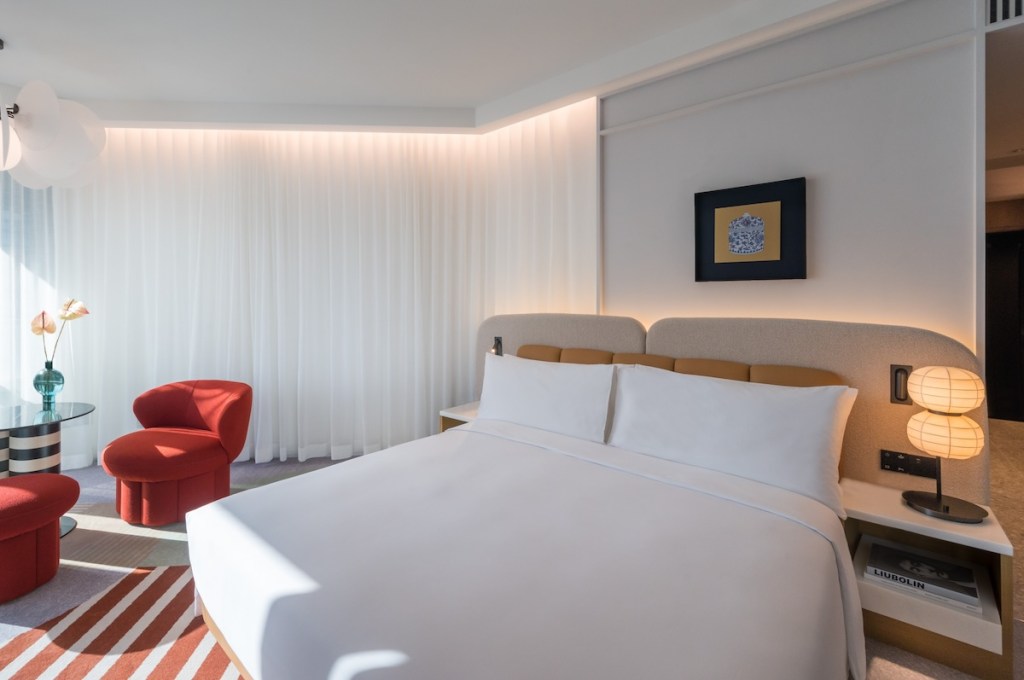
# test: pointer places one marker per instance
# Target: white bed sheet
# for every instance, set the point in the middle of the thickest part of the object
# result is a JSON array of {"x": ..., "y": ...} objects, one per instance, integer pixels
[{"x": 499, "y": 551}]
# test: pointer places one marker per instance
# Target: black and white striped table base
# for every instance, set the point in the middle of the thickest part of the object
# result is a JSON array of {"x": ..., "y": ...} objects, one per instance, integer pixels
[
  {"x": 30, "y": 441},
  {"x": 32, "y": 448},
  {"x": 30, "y": 436}
]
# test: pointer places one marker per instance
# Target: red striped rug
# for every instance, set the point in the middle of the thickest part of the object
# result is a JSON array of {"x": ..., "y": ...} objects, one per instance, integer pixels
[{"x": 143, "y": 626}]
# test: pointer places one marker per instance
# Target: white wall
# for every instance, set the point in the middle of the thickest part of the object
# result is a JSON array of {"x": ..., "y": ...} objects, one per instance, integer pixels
[{"x": 877, "y": 112}]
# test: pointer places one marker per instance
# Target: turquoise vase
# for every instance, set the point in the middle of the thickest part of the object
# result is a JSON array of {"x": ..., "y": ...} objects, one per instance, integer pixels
[{"x": 48, "y": 382}]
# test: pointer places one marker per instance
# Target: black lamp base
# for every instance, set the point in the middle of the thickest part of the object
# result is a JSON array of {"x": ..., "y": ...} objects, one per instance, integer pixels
[{"x": 945, "y": 507}]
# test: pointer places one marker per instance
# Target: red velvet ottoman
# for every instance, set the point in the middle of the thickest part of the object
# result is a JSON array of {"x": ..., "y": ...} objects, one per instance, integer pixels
[
  {"x": 30, "y": 510},
  {"x": 180, "y": 460}
]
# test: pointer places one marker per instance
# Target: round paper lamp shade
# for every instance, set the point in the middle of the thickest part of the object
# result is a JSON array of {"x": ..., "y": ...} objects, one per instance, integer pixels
[
  {"x": 74, "y": 147},
  {"x": 12, "y": 145},
  {"x": 945, "y": 389},
  {"x": 38, "y": 117},
  {"x": 956, "y": 437},
  {"x": 26, "y": 176}
]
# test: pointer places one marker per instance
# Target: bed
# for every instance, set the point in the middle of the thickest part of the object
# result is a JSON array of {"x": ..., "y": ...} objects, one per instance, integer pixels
[{"x": 596, "y": 521}]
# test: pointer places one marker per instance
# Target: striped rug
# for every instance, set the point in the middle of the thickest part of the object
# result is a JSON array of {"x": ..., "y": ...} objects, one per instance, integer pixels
[{"x": 143, "y": 626}]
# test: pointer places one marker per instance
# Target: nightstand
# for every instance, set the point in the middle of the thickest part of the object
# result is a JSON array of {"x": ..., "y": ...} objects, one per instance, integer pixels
[
  {"x": 977, "y": 643},
  {"x": 459, "y": 415}
]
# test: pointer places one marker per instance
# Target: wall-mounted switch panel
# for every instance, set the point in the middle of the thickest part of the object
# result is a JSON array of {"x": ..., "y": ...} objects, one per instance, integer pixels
[{"x": 908, "y": 463}]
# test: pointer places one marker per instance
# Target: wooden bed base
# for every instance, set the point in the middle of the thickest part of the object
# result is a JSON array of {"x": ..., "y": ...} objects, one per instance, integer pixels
[{"x": 219, "y": 637}]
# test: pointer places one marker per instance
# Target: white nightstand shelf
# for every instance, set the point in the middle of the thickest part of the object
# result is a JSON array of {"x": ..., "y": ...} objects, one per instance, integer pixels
[
  {"x": 459, "y": 415},
  {"x": 977, "y": 643}
]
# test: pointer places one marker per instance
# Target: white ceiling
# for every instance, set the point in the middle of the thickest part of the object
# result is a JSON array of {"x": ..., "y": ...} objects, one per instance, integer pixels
[{"x": 432, "y": 63}]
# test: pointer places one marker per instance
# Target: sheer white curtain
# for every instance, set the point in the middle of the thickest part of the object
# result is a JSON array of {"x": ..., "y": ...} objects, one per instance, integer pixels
[
  {"x": 343, "y": 275},
  {"x": 542, "y": 213},
  {"x": 27, "y": 247}
]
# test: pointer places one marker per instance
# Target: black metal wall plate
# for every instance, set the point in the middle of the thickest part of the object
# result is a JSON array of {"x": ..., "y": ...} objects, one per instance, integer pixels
[{"x": 908, "y": 464}]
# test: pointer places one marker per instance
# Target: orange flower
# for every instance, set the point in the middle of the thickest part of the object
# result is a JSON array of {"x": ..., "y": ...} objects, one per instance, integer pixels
[
  {"x": 43, "y": 323},
  {"x": 73, "y": 309}
]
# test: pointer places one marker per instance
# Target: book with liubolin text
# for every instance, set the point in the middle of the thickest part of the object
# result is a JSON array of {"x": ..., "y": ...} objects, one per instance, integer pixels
[{"x": 926, "y": 575}]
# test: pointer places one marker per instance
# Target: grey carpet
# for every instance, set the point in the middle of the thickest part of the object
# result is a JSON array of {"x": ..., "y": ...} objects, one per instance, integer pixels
[
  {"x": 103, "y": 548},
  {"x": 1007, "y": 473}
]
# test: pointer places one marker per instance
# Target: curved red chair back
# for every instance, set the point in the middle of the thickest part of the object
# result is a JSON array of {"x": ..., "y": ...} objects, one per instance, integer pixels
[{"x": 220, "y": 406}]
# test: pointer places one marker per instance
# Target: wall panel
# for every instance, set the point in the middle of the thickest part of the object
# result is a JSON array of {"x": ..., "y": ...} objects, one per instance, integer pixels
[{"x": 885, "y": 138}]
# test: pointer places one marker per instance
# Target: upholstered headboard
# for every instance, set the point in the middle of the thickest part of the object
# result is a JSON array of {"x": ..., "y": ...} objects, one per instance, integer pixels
[
  {"x": 772, "y": 374},
  {"x": 860, "y": 353},
  {"x": 610, "y": 333}
]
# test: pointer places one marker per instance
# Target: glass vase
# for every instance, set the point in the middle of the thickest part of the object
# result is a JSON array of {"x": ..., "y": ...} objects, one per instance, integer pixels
[{"x": 48, "y": 382}]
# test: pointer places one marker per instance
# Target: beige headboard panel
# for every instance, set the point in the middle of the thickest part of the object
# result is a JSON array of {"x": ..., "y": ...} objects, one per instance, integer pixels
[
  {"x": 610, "y": 333},
  {"x": 862, "y": 354}
]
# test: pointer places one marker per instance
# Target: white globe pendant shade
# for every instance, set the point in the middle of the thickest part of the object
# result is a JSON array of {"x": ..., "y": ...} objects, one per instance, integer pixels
[
  {"x": 73, "y": 147},
  {"x": 37, "y": 121},
  {"x": 49, "y": 141},
  {"x": 945, "y": 389},
  {"x": 12, "y": 149},
  {"x": 90, "y": 123},
  {"x": 956, "y": 437},
  {"x": 10, "y": 144},
  {"x": 26, "y": 176}
]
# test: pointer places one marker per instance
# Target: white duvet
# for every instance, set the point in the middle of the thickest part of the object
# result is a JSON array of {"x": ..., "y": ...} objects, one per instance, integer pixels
[{"x": 496, "y": 551}]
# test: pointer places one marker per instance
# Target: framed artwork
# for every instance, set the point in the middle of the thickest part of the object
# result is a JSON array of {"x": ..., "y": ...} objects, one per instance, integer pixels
[{"x": 752, "y": 233}]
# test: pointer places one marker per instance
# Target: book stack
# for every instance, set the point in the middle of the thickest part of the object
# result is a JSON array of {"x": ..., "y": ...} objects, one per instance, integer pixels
[{"x": 924, "y": 575}]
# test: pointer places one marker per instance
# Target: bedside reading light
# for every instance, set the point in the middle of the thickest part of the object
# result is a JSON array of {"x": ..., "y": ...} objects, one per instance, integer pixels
[{"x": 944, "y": 432}]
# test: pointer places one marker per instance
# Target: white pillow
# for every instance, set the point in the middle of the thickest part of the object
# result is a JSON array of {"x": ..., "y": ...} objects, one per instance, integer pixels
[
  {"x": 569, "y": 399},
  {"x": 790, "y": 437}
]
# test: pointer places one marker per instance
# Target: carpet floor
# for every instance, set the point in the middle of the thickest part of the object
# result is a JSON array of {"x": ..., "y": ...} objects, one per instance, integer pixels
[
  {"x": 104, "y": 551},
  {"x": 142, "y": 626}
]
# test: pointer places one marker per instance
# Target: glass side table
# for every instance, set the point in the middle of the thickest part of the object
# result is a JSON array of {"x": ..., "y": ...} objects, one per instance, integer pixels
[{"x": 30, "y": 440}]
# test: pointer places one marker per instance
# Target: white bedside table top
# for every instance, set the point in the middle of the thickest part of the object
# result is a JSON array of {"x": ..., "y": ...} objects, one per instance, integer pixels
[
  {"x": 885, "y": 506},
  {"x": 466, "y": 412}
]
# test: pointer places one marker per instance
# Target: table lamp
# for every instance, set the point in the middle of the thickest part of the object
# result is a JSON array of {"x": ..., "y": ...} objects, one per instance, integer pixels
[{"x": 944, "y": 432}]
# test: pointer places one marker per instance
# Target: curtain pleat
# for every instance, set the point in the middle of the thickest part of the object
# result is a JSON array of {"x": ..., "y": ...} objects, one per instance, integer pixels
[
  {"x": 342, "y": 274},
  {"x": 27, "y": 261}
]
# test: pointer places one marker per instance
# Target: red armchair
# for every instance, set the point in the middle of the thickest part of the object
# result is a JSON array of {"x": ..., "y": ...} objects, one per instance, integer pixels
[
  {"x": 180, "y": 459},
  {"x": 30, "y": 510}
]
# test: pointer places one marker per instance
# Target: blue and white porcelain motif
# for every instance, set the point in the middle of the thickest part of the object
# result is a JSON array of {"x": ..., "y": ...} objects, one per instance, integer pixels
[{"x": 746, "y": 235}]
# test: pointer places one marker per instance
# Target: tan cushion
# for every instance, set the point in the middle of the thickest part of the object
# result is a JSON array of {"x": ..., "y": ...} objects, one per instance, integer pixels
[
  {"x": 576, "y": 355},
  {"x": 655, "y": 360},
  {"x": 714, "y": 368},
  {"x": 793, "y": 376},
  {"x": 539, "y": 352},
  {"x": 790, "y": 376}
]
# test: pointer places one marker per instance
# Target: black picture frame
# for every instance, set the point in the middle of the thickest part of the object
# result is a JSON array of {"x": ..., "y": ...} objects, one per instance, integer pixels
[{"x": 728, "y": 235}]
